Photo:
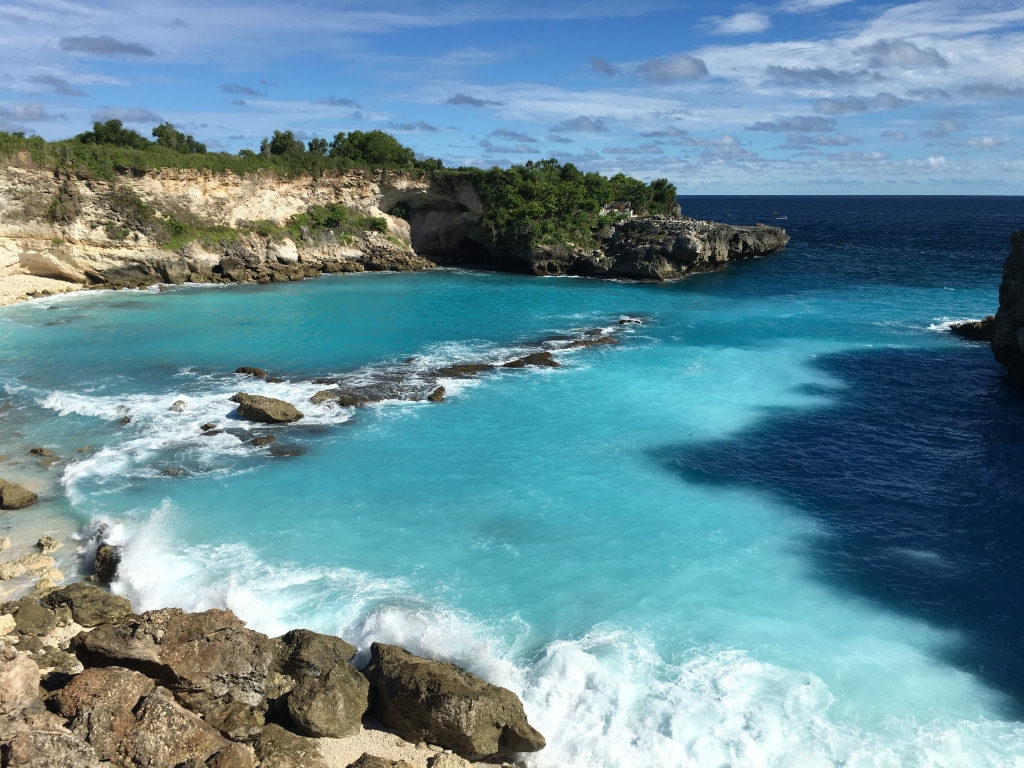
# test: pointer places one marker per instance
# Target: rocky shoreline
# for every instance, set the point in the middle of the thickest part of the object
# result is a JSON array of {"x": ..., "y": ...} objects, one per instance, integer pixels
[{"x": 85, "y": 682}]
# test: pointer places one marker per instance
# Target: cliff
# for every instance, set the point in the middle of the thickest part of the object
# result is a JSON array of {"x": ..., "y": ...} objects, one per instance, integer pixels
[
  {"x": 1008, "y": 331},
  {"x": 60, "y": 231}
]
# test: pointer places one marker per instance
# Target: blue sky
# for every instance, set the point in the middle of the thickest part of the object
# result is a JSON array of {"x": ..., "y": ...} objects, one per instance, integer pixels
[{"x": 796, "y": 96}]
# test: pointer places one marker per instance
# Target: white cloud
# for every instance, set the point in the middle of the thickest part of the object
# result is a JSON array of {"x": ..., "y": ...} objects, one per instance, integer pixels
[{"x": 747, "y": 23}]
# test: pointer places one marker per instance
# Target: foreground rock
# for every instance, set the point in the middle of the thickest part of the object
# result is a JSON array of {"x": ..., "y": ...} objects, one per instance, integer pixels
[
  {"x": 1008, "y": 331},
  {"x": 442, "y": 704},
  {"x": 90, "y": 606},
  {"x": 19, "y": 680},
  {"x": 278, "y": 748},
  {"x": 975, "y": 330},
  {"x": 268, "y": 410},
  {"x": 14, "y": 496},
  {"x": 108, "y": 559}
]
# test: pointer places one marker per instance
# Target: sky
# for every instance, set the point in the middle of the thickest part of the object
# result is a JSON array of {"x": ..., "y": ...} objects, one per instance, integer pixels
[{"x": 795, "y": 96}]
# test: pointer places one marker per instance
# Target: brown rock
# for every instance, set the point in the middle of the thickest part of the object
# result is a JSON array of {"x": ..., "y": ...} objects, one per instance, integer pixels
[
  {"x": 14, "y": 496},
  {"x": 976, "y": 330},
  {"x": 90, "y": 606},
  {"x": 43, "y": 453},
  {"x": 233, "y": 756},
  {"x": 46, "y": 748},
  {"x": 108, "y": 558},
  {"x": 278, "y": 748},
  {"x": 308, "y": 653},
  {"x": 366, "y": 760},
  {"x": 447, "y": 760},
  {"x": 268, "y": 410},
  {"x": 596, "y": 341},
  {"x": 464, "y": 370},
  {"x": 247, "y": 370},
  {"x": 208, "y": 426},
  {"x": 126, "y": 420},
  {"x": 259, "y": 442},
  {"x": 48, "y": 544},
  {"x": 442, "y": 704},
  {"x": 166, "y": 735},
  {"x": 537, "y": 358},
  {"x": 30, "y": 617},
  {"x": 19, "y": 680},
  {"x": 179, "y": 406},
  {"x": 437, "y": 396}
]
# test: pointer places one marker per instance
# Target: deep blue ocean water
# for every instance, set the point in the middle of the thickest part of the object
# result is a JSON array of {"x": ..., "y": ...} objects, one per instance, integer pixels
[{"x": 782, "y": 523}]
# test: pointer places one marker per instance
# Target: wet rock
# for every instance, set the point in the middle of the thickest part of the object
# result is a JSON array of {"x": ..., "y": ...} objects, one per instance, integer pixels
[
  {"x": 5, "y": 543},
  {"x": 11, "y": 570},
  {"x": 126, "y": 420},
  {"x": 48, "y": 544},
  {"x": 442, "y": 704},
  {"x": 214, "y": 665},
  {"x": 278, "y": 748},
  {"x": 537, "y": 358},
  {"x": 366, "y": 760},
  {"x": 43, "y": 453},
  {"x": 108, "y": 558},
  {"x": 630, "y": 321},
  {"x": 37, "y": 565},
  {"x": 596, "y": 341},
  {"x": 975, "y": 330},
  {"x": 464, "y": 370},
  {"x": 85, "y": 449},
  {"x": 179, "y": 406},
  {"x": 263, "y": 440},
  {"x": 90, "y": 606},
  {"x": 274, "y": 380},
  {"x": 208, "y": 426},
  {"x": 14, "y": 496},
  {"x": 437, "y": 396},
  {"x": 173, "y": 472},
  {"x": 19, "y": 680},
  {"x": 324, "y": 396},
  {"x": 268, "y": 410},
  {"x": 247, "y": 370},
  {"x": 286, "y": 451}
]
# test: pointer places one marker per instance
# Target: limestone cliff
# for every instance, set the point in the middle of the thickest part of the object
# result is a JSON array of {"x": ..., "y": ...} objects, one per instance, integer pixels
[
  {"x": 60, "y": 231},
  {"x": 1008, "y": 332}
]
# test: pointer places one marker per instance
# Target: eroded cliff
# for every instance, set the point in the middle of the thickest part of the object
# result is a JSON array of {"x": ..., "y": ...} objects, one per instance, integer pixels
[{"x": 1008, "y": 328}]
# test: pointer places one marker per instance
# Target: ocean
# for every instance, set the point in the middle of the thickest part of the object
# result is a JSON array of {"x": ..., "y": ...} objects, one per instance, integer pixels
[{"x": 780, "y": 524}]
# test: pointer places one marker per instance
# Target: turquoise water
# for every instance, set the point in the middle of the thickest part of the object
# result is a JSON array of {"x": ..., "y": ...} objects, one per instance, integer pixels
[{"x": 661, "y": 545}]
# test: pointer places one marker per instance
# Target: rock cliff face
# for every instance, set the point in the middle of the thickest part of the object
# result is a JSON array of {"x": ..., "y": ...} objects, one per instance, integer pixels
[
  {"x": 1008, "y": 331},
  {"x": 59, "y": 232}
]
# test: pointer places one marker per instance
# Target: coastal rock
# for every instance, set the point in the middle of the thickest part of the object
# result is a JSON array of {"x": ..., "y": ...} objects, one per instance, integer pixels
[
  {"x": 179, "y": 406},
  {"x": 214, "y": 665},
  {"x": 43, "y": 453},
  {"x": 14, "y": 496},
  {"x": 52, "y": 747},
  {"x": 324, "y": 396},
  {"x": 108, "y": 558},
  {"x": 537, "y": 358},
  {"x": 330, "y": 697},
  {"x": 975, "y": 330},
  {"x": 463, "y": 370},
  {"x": 1008, "y": 331},
  {"x": 442, "y": 704},
  {"x": 366, "y": 760},
  {"x": 31, "y": 618},
  {"x": 247, "y": 370},
  {"x": 437, "y": 396},
  {"x": 7, "y": 624},
  {"x": 5, "y": 543},
  {"x": 263, "y": 440},
  {"x": 306, "y": 653},
  {"x": 99, "y": 706},
  {"x": 594, "y": 341},
  {"x": 165, "y": 735},
  {"x": 48, "y": 544},
  {"x": 19, "y": 680},
  {"x": 11, "y": 570},
  {"x": 447, "y": 760},
  {"x": 90, "y": 606},
  {"x": 278, "y": 748},
  {"x": 268, "y": 410},
  {"x": 346, "y": 398},
  {"x": 37, "y": 565}
]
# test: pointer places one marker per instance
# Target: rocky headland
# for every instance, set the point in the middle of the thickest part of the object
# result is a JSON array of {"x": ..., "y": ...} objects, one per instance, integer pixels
[
  {"x": 60, "y": 231},
  {"x": 1007, "y": 334}
]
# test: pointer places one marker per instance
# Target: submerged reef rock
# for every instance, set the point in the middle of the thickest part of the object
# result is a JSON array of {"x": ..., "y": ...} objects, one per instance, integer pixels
[
  {"x": 1008, "y": 332},
  {"x": 442, "y": 704},
  {"x": 14, "y": 496},
  {"x": 248, "y": 370},
  {"x": 975, "y": 330},
  {"x": 543, "y": 359},
  {"x": 268, "y": 410}
]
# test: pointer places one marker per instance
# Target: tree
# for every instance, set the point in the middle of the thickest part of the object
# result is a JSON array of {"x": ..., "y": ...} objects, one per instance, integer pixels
[
  {"x": 113, "y": 132},
  {"x": 635, "y": 191},
  {"x": 282, "y": 143},
  {"x": 663, "y": 197},
  {"x": 167, "y": 136},
  {"x": 317, "y": 147},
  {"x": 372, "y": 148}
]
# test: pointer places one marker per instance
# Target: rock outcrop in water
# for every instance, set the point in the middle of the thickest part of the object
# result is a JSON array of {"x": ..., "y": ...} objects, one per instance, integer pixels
[
  {"x": 975, "y": 330},
  {"x": 167, "y": 689},
  {"x": 1008, "y": 330},
  {"x": 442, "y": 226},
  {"x": 268, "y": 410}
]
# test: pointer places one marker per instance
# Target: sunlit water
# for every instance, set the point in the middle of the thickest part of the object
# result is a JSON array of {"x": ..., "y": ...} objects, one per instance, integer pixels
[{"x": 779, "y": 524}]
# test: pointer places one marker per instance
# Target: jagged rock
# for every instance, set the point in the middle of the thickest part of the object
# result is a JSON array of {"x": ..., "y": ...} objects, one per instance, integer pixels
[
  {"x": 37, "y": 564},
  {"x": 43, "y": 453},
  {"x": 278, "y": 748},
  {"x": 5, "y": 543},
  {"x": 90, "y": 606},
  {"x": 14, "y": 496},
  {"x": 11, "y": 570},
  {"x": 537, "y": 358},
  {"x": 179, "y": 406},
  {"x": 52, "y": 747},
  {"x": 366, "y": 760},
  {"x": 19, "y": 680},
  {"x": 464, "y": 370},
  {"x": 126, "y": 420},
  {"x": 268, "y": 410},
  {"x": 48, "y": 544},
  {"x": 346, "y": 398},
  {"x": 208, "y": 426},
  {"x": 173, "y": 472},
  {"x": 1008, "y": 327},
  {"x": 31, "y": 618},
  {"x": 308, "y": 653},
  {"x": 437, "y": 396},
  {"x": 324, "y": 396},
  {"x": 263, "y": 440},
  {"x": 447, "y": 760},
  {"x": 56, "y": 660},
  {"x": 211, "y": 661},
  {"x": 247, "y": 370},
  {"x": 975, "y": 330},
  {"x": 7, "y": 624},
  {"x": 108, "y": 559},
  {"x": 166, "y": 735},
  {"x": 233, "y": 756},
  {"x": 442, "y": 704},
  {"x": 596, "y": 341}
]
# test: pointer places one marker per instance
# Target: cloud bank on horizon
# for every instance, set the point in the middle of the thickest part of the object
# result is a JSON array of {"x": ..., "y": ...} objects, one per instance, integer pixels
[{"x": 793, "y": 96}]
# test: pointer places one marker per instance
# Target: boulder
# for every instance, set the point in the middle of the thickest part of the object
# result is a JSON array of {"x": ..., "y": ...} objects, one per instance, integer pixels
[
  {"x": 346, "y": 398},
  {"x": 14, "y": 496},
  {"x": 324, "y": 396},
  {"x": 5, "y": 543},
  {"x": 975, "y": 330},
  {"x": 31, "y": 618},
  {"x": 90, "y": 605},
  {"x": 37, "y": 564},
  {"x": 366, "y": 760},
  {"x": 447, "y": 760},
  {"x": 48, "y": 544},
  {"x": 440, "y": 703},
  {"x": 307, "y": 653},
  {"x": 52, "y": 747},
  {"x": 1008, "y": 331},
  {"x": 233, "y": 756},
  {"x": 19, "y": 680},
  {"x": 43, "y": 453},
  {"x": 537, "y": 358},
  {"x": 11, "y": 570},
  {"x": 108, "y": 558},
  {"x": 268, "y": 410},
  {"x": 278, "y": 748},
  {"x": 165, "y": 735},
  {"x": 214, "y": 665},
  {"x": 179, "y": 406},
  {"x": 7, "y": 624},
  {"x": 263, "y": 440},
  {"x": 437, "y": 396},
  {"x": 248, "y": 370},
  {"x": 125, "y": 420},
  {"x": 55, "y": 660}
]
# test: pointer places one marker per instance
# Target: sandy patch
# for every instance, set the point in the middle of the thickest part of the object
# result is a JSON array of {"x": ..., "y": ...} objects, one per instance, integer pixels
[
  {"x": 15, "y": 288},
  {"x": 340, "y": 753}
]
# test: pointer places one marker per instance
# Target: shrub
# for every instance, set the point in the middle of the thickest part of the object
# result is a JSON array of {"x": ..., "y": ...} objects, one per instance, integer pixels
[
  {"x": 65, "y": 207},
  {"x": 317, "y": 147},
  {"x": 167, "y": 136},
  {"x": 282, "y": 143},
  {"x": 113, "y": 132},
  {"x": 374, "y": 148}
]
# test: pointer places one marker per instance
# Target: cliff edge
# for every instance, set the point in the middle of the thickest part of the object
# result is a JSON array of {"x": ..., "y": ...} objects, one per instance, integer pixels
[{"x": 1008, "y": 332}]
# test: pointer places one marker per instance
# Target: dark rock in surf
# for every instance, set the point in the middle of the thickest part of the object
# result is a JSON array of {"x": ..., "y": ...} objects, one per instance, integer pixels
[
  {"x": 14, "y": 496},
  {"x": 125, "y": 420},
  {"x": 259, "y": 442},
  {"x": 43, "y": 453},
  {"x": 437, "y": 396},
  {"x": 248, "y": 370},
  {"x": 440, "y": 703},
  {"x": 596, "y": 341},
  {"x": 543, "y": 359},
  {"x": 108, "y": 558},
  {"x": 975, "y": 330},
  {"x": 463, "y": 370},
  {"x": 268, "y": 410},
  {"x": 1008, "y": 333}
]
